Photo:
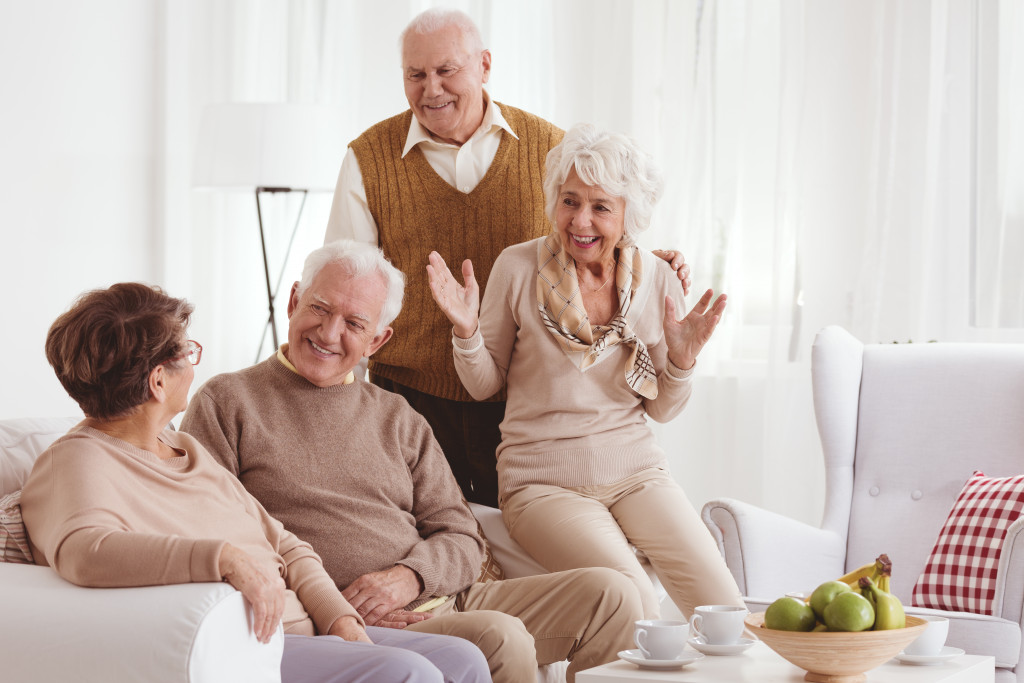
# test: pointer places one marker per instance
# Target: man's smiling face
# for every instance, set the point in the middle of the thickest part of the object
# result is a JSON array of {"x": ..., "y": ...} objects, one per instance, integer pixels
[
  {"x": 444, "y": 82},
  {"x": 332, "y": 325}
]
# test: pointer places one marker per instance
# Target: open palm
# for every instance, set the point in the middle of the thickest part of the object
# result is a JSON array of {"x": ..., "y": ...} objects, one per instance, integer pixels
[
  {"x": 685, "y": 338},
  {"x": 461, "y": 303}
]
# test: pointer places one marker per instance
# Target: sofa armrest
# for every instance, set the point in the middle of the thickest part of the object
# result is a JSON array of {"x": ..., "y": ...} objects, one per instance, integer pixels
[
  {"x": 1009, "y": 590},
  {"x": 770, "y": 555},
  {"x": 199, "y": 632}
]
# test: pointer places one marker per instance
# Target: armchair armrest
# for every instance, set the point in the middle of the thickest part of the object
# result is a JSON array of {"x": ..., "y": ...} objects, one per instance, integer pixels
[
  {"x": 1009, "y": 595},
  {"x": 770, "y": 555},
  {"x": 199, "y": 632}
]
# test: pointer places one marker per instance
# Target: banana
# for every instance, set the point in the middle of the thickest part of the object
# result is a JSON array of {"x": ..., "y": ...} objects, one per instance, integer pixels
[
  {"x": 882, "y": 572},
  {"x": 889, "y": 612},
  {"x": 851, "y": 578}
]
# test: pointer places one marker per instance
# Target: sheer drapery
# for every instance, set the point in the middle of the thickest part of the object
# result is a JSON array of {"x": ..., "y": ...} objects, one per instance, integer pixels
[
  {"x": 817, "y": 162},
  {"x": 999, "y": 236}
]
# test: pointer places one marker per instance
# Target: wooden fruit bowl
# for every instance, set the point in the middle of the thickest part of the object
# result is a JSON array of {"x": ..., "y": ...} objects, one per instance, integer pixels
[{"x": 832, "y": 657}]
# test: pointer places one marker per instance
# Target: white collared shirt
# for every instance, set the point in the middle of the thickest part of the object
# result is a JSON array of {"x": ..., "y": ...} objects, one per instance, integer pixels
[{"x": 462, "y": 167}]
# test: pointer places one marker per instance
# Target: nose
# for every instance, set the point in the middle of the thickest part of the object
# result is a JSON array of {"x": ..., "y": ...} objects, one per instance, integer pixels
[
  {"x": 332, "y": 327},
  {"x": 582, "y": 217},
  {"x": 432, "y": 85}
]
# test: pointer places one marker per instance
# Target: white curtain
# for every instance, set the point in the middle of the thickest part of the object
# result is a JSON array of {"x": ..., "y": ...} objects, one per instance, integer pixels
[
  {"x": 999, "y": 246},
  {"x": 817, "y": 159}
]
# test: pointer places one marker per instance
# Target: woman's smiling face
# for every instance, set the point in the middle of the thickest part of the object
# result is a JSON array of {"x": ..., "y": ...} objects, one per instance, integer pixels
[{"x": 590, "y": 221}]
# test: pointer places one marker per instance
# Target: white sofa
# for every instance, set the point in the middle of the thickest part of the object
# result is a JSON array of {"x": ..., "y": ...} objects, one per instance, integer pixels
[
  {"x": 902, "y": 428},
  {"x": 52, "y": 630},
  {"x": 57, "y": 631}
]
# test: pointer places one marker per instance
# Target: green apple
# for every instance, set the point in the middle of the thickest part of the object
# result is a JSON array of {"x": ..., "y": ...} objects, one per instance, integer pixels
[
  {"x": 849, "y": 611},
  {"x": 824, "y": 594},
  {"x": 789, "y": 614}
]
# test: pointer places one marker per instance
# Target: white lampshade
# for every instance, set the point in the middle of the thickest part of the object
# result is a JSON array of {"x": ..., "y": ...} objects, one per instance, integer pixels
[{"x": 249, "y": 145}]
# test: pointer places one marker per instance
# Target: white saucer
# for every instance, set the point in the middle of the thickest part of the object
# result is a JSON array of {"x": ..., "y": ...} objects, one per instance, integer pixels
[
  {"x": 637, "y": 657},
  {"x": 700, "y": 645},
  {"x": 946, "y": 654}
]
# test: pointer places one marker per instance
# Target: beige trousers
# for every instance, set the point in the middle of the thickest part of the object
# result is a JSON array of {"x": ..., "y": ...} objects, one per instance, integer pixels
[
  {"x": 584, "y": 615},
  {"x": 593, "y": 526}
]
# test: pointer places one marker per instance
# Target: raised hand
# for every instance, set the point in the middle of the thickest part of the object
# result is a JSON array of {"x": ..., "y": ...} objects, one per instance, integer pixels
[
  {"x": 261, "y": 585},
  {"x": 461, "y": 303},
  {"x": 685, "y": 338}
]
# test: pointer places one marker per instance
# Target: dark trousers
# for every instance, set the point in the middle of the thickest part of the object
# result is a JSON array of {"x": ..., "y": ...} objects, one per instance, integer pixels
[{"x": 468, "y": 434}]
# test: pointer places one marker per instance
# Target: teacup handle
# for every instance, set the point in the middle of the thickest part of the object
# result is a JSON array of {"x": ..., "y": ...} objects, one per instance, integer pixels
[
  {"x": 640, "y": 637},
  {"x": 695, "y": 621}
]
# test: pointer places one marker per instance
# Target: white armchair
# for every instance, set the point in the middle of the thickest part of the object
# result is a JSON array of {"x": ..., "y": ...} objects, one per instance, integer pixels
[
  {"x": 902, "y": 427},
  {"x": 52, "y": 630}
]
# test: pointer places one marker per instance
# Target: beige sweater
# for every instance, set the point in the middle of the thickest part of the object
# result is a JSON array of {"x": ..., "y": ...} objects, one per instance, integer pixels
[
  {"x": 350, "y": 468},
  {"x": 105, "y": 513},
  {"x": 564, "y": 426},
  {"x": 416, "y": 212}
]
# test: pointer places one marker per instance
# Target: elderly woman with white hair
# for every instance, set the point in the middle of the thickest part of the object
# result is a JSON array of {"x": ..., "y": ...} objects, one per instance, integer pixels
[{"x": 581, "y": 327}]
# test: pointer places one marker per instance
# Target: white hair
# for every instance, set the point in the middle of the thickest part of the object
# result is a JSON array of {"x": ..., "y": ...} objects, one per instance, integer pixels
[
  {"x": 611, "y": 161},
  {"x": 360, "y": 260},
  {"x": 437, "y": 18}
]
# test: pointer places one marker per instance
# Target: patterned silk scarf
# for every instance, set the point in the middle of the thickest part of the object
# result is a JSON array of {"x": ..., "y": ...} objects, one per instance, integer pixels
[{"x": 561, "y": 308}]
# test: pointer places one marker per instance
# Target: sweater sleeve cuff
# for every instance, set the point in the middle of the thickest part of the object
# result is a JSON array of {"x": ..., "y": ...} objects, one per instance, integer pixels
[
  {"x": 325, "y": 605},
  {"x": 428, "y": 576},
  {"x": 468, "y": 346},
  {"x": 205, "y": 561},
  {"x": 679, "y": 374}
]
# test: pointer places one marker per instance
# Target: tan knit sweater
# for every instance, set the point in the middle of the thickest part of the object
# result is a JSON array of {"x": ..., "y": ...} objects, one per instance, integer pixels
[
  {"x": 350, "y": 468},
  {"x": 564, "y": 426},
  {"x": 105, "y": 513},
  {"x": 417, "y": 212}
]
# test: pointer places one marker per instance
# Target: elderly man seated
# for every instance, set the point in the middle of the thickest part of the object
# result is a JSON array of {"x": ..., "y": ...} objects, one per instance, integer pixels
[{"x": 353, "y": 470}]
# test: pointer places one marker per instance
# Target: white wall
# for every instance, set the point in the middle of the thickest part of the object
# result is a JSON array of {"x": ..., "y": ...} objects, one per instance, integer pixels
[{"x": 78, "y": 172}]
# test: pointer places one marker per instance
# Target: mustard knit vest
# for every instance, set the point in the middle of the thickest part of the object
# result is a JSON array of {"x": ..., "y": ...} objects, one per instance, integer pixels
[{"x": 417, "y": 212}]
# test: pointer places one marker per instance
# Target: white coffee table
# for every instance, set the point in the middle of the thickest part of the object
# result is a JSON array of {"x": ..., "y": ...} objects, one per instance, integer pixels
[{"x": 760, "y": 664}]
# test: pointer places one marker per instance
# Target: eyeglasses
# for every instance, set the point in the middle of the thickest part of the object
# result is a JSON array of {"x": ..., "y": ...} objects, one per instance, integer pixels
[{"x": 193, "y": 353}]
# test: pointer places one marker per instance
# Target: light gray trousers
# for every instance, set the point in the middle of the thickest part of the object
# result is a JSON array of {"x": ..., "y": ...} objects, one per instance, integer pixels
[{"x": 396, "y": 656}]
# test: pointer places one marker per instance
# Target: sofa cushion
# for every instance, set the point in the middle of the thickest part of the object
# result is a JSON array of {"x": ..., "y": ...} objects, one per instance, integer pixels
[
  {"x": 21, "y": 442},
  {"x": 961, "y": 571},
  {"x": 13, "y": 537}
]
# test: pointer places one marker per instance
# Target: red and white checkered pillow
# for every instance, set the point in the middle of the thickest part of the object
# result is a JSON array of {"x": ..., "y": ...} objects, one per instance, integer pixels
[
  {"x": 960, "y": 575},
  {"x": 13, "y": 538}
]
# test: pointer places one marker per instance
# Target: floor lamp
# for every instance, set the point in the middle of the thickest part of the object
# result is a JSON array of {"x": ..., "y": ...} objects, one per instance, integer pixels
[{"x": 269, "y": 149}]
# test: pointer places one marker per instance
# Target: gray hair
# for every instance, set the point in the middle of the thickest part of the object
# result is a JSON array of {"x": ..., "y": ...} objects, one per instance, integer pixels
[
  {"x": 437, "y": 18},
  {"x": 360, "y": 260},
  {"x": 612, "y": 161}
]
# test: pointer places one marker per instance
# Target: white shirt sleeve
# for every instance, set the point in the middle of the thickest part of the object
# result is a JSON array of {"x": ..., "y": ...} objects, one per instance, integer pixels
[{"x": 350, "y": 214}]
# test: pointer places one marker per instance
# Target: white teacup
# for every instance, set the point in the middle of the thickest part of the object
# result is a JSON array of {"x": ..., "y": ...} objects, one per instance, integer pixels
[
  {"x": 931, "y": 640},
  {"x": 718, "y": 624},
  {"x": 660, "y": 638}
]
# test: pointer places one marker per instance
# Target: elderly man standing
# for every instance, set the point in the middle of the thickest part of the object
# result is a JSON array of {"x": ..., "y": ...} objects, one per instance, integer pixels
[
  {"x": 351, "y": 469},
  {"x": 461, "y": 174}
]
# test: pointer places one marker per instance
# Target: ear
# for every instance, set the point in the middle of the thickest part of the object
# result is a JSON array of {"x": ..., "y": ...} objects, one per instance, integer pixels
[
  {"x": 158, "y": 384},
  {"x": 486, "y": 57},
  {"x": 380, "y": 340},
  {"x": 293, "y": 299}
]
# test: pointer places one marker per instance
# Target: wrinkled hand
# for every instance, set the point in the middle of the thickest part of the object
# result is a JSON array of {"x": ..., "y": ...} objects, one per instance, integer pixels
[
  {"x": 401, "y": 618},
  {"x": 461, "y": 303},
  {"x": 261, "y": 585},
  {"x": 685, "y": 338},
  {"x": 348, "y": 628},
  {"x": 378, "y": 594},
  {"x": 678, "y": 263}
]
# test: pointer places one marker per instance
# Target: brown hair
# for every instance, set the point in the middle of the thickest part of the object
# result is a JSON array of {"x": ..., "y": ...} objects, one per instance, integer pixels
[{"x": 104, "y": 347}]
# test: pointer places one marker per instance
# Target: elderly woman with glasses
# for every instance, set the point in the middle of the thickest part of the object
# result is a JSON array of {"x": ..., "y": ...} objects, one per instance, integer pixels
[
  {"x": 123, "y": 500},
  {"x": 580, "y": 327}
]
